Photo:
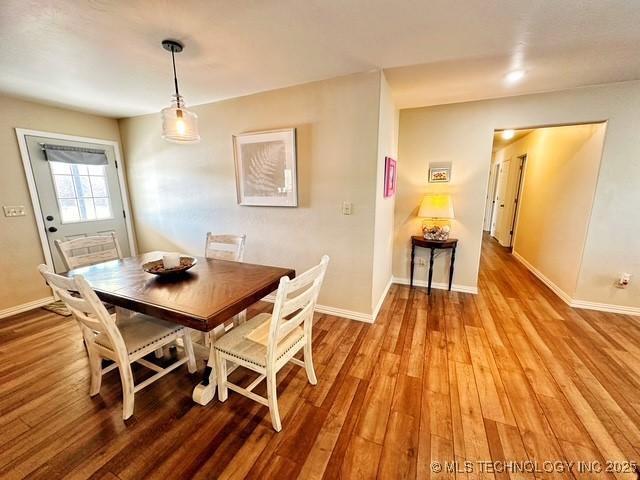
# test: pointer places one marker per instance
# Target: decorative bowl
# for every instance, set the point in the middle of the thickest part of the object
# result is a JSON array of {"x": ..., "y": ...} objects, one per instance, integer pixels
[{"x": 156, "y": 267}]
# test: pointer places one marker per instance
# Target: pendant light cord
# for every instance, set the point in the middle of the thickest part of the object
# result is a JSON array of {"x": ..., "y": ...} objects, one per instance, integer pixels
[{"x": 175, "y": 76}]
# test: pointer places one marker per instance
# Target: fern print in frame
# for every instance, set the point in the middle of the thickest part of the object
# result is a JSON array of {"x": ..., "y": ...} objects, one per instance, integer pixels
[{"x": 266, "y": 168}]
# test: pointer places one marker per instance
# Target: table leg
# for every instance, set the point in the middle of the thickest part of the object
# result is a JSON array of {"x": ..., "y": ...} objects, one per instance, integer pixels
[
  {"x": 430, "y": 272},
  {"x": 453, "y": 261},
  {"x": 206, "y": 389},
  {"x": 413, "y": 252}
]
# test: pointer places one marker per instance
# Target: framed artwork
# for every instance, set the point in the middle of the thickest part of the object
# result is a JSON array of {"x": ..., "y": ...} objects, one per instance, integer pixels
[
  {"x": 390, "y": 176},
  {"x": 266, "y": 168},
  {"x": 439, "y": 174}
]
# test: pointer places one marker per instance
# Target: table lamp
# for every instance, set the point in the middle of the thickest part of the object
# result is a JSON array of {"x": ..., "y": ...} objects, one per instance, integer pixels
[{"x": 436, "y": 209}]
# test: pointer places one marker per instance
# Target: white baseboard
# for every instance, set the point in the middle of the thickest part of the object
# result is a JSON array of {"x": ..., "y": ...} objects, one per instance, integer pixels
[
  {"x": 437, "y": 285},
  {"x": 572, "y": 302},
  {"x": 606, "y": 307},
  {"x": 566, "y": 298},
  {"x": 25, "y": 307},
  {"x": 376, "y": 310},
  {"x": 338, "y": 312}
]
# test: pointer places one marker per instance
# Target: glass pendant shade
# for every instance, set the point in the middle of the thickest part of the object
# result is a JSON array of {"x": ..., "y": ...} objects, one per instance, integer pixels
[{"x": 179, "y": 125}]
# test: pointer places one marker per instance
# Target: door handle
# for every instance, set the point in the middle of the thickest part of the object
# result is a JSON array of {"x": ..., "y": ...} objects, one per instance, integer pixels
[{"x": 52, "y": 229}]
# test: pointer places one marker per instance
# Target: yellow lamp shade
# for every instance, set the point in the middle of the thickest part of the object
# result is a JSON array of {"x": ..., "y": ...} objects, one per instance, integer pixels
[{"x": 436, "y": 206}]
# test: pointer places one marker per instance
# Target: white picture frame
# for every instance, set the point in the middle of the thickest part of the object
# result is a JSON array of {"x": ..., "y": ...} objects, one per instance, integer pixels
[{"x": 266, "y": 168}]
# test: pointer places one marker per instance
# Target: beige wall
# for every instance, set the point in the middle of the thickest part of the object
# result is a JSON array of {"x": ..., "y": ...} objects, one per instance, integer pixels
[
  {"x": 384, "y": 214},
  {"x": 462, "y": 133},
  {"x": 557, "y": 198},
  {"x": 21, "y": 250},
  {"x": 179, "y": 192}
]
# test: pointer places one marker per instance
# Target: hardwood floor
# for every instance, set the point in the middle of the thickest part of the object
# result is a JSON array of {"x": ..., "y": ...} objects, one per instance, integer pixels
[{"x": 509, "y": 375}]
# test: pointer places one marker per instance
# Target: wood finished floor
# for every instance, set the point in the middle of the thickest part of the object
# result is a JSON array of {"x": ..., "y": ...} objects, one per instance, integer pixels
[{"x": 510, "y": 374}]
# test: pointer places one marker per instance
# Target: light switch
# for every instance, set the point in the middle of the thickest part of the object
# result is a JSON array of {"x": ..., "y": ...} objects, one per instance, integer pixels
[
  {"x": 14, "y": 210},
  {"x": 347, "y": 208}
]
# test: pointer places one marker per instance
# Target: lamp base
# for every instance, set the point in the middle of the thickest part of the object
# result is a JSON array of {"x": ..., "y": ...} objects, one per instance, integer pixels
[{"x": 435, "y": 230}]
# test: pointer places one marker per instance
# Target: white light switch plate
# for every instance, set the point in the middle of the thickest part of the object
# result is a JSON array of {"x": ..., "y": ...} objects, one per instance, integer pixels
[{"x": 13, "y": 211}]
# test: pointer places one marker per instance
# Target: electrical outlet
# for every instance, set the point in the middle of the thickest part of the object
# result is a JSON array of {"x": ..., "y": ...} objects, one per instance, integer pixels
[
  {"x": 347, "y": 208},
  {"x": 623, "y": 280},
  {"x": 13, "y": 211},
  {"x": 421, "y": 261}
]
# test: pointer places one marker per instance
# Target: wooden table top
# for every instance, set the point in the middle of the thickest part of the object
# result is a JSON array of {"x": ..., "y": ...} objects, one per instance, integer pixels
[{"x": 202, "y": 298}]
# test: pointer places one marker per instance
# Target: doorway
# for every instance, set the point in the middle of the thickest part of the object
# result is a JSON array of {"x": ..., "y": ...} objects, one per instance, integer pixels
[{"x": 77, "y": 190}]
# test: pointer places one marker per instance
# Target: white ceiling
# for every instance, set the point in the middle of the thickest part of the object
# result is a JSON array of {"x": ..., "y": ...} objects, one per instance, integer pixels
[{"x": 105, "y": 56}]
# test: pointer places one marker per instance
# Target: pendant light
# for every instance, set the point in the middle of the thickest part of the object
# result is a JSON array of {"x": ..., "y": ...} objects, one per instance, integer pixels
[{"x": 179, "y": 125}]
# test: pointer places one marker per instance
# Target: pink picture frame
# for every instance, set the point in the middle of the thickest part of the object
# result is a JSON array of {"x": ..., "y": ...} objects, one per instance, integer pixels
[{"x": 390, "y": 176}]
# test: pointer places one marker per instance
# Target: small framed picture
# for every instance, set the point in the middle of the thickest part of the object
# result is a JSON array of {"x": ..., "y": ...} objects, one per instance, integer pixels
[
  {"x": 439, "y": 174},
  {"x": 390, "y": 176}
]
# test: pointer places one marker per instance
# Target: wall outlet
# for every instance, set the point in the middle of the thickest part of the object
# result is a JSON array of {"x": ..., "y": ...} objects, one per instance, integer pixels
[
  {"x": 421, "y": 261},
  {"x": 623, "y": 280},
  {"x": 13, "y": 211},
  {"x": 347, "y": 208}
]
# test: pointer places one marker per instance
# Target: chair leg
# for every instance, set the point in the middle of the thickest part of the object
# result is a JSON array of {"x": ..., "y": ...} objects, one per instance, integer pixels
[
  {"x": 95, "y": 365},
  {"x": 272, "y": 398},
  {"x": 221, "y": 369},
  {"x": 126, "y": 377},
  {"x": 188, "y": 350},
  {"x": 240, "y": 318},
  {"x": 308, "y": 363}
]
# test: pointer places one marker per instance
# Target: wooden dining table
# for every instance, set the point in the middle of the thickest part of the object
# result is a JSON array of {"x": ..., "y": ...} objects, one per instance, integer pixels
[{"x": 202, "y": 298}]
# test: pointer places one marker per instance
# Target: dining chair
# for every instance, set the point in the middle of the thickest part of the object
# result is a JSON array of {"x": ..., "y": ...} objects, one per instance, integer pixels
[
  {"x": 124, "y": 343},
  {"x": 226, "y": 247},
  {"x": 85, "y": 251},
  {"x": 265, "y": 343}
]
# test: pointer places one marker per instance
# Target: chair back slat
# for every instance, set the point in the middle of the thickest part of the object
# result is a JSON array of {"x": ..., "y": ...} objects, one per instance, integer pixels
[
  {"x": 296, "y": 299},
  {"x": 85, "y": 251},
  {"x": 86, "y": 307},
  {"x": 225, "y": 247}
]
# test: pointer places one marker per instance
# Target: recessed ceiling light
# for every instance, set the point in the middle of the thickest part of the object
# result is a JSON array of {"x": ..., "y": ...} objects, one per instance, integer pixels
[
  {"x": 514, "y": 76},
  {"x": 508, "y": 134}
]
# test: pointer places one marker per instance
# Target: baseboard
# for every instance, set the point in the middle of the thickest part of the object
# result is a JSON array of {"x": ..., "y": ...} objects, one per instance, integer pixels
[
  {"x": 437, "y": 285},
  {"x": 25, "y": 307},
  {"x": 376, "y": 310},
  {"x": 574, "y": 303},
  {"x": 338, "y": 312},
  {"x": 606, "y": 307},
  {"x": 564, "y": 296}
]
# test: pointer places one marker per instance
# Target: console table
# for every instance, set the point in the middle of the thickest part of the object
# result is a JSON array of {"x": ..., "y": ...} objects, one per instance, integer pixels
[{"x": 419, "y": 241}]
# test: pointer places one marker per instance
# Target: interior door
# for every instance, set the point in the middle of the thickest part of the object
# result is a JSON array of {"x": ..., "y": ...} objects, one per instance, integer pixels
[
  {"x": 77, "y": 200},
  {"x": 497, "y": 225}
]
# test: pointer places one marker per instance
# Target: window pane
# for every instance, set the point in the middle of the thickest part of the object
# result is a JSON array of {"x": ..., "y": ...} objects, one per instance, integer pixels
[
  {"x": 99, "y": 187},
  {"x": 60, "y": 168},
  {"x": 83, "y": 186},
  {"x": 64, "y": 186},
  {"x": 79, "y": 169},
  {"x": 103, "y": 209},
  {"x": 87, "y": 210},
  {"x": 96, "y": 169},
  {"x": 69, "y": 210}
]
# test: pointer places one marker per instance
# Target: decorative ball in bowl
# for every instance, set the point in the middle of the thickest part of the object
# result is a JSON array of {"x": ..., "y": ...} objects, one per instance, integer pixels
[{"x": 156, "y": 267}]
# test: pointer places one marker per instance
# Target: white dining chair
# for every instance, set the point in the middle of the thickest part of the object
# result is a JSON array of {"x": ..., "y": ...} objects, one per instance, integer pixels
[
  {"x": 85, "y": 251},
  {"x": 265, "y": 343},
  {"x": 124, "y": 343},
  {"x": 226, "y": 247}
]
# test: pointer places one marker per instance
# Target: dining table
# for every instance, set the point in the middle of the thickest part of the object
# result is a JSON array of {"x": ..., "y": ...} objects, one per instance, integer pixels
[{"x": 203, "y": 298}]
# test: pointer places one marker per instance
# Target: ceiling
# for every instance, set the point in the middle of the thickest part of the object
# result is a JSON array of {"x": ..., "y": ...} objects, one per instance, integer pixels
[
  {"x": 499, "y": 142},
  {"x": 104, "y": 56}
]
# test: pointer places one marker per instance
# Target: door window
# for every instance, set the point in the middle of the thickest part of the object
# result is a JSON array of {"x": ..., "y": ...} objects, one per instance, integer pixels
[{"x": 82, "y": 192}]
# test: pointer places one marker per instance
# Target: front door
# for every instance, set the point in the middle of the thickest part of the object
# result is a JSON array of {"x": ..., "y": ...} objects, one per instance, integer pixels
[{"x": 77, "y": 200}]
